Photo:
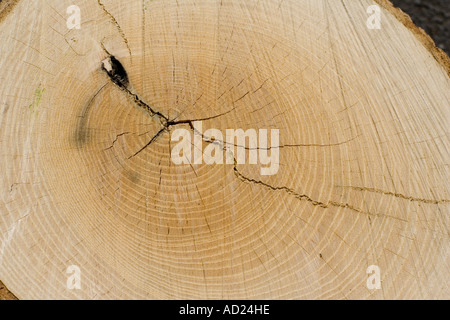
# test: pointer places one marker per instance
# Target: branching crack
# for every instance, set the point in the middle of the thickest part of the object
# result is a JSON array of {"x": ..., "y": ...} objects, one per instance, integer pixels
[
  {"x": 119, "y": 77},
  {"x": 329, "y": 204},
  {"x": 150, "y": 142},
  {"x": 301, "y": 197},
  {"x": 116, "y": 139}
]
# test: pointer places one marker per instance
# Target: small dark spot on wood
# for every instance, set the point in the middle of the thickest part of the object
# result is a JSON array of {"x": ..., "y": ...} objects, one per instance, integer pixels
[
  {"x": 132, "y": 176},
  {"x": 320, "y": 255},
  {"x": 5, "y": 108},
  {"x": 82, "y": 135}
]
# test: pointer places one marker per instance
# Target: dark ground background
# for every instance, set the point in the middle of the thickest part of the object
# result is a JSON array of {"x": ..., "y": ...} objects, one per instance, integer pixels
[{"x": 431, "y": 15}]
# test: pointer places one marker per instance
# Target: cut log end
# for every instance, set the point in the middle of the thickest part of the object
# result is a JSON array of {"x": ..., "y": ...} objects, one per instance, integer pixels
[{"x": 222, "y": 150}]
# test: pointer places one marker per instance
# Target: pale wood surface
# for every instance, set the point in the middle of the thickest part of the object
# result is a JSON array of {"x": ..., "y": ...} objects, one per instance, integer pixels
[{"x": 364, "y": 157}]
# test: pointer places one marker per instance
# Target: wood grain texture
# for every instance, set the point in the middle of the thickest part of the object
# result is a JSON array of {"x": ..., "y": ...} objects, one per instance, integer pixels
[
  {"x": 87, "y": 178},
  {"x": 440, "y": 56}
]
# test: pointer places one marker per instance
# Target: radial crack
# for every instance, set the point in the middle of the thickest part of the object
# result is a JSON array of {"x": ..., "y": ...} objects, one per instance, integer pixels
[
  {"x": 119, "y": 28},
  {"x": 291, "y": 192},
  {"x": 150, "y": 142},
  {"x": 299, "y": 196},
  {"x": 116, "y": 139},
  {"x": 398, "y": 195},
  {"x": 119, "y": 76}
]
